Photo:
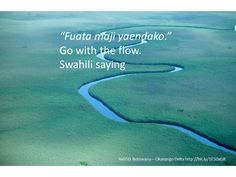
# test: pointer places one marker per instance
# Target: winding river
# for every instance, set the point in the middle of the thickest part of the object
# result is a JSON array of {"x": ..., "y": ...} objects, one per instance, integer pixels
[{"x": 110, "y": 114}]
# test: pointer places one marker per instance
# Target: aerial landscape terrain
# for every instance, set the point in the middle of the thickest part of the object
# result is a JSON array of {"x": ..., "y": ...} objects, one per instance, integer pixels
[{"x": 172, "y": 105}]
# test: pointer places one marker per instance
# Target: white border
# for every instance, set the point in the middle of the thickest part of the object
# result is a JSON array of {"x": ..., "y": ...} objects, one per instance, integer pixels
[
  {"x": 117, "y": 171},
  {"x": 117, "y": 5}
]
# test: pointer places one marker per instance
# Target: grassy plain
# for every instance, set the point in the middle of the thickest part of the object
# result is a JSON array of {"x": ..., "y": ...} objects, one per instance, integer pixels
[
  {"x": 43, "y": 119},
  {"x": 201, "y": 96}
]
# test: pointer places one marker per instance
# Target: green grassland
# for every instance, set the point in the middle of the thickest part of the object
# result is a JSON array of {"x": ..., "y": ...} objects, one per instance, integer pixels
[
  {"x": 202, "y": 96},
  {"x": 44, "y": 121}
]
